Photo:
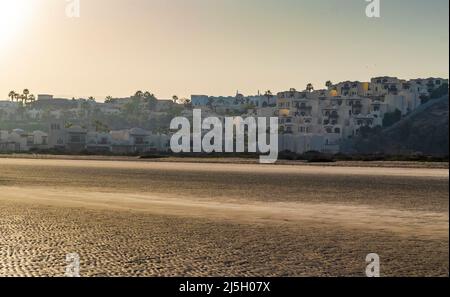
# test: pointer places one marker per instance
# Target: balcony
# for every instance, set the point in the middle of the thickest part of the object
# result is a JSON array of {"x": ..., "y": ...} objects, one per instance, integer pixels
[
  {"x": 334, "y": 115},
  {"x": 303, "y": 107},
  {"x": 357, "y": 104}
]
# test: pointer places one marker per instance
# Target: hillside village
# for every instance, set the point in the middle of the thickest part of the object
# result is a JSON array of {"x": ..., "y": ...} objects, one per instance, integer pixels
[{"x": 309, "y": 120}]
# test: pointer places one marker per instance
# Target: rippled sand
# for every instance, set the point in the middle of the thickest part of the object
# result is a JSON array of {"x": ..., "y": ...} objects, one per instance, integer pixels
[{"x": 186, "y": 219}]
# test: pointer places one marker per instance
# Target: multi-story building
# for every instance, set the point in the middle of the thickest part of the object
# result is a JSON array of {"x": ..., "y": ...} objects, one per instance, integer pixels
[
  {"x": 138, "y": 140},
  {"x": 71, "y": 139},
  {"x": 350, "y": 88},
  {"x": 381, "y": 86},
  {"x": 20, "y": 141},
  {"x": 308, "y": 120},
  {"x": 425, "y": 86},
  {"x": 341, "y": 111}
]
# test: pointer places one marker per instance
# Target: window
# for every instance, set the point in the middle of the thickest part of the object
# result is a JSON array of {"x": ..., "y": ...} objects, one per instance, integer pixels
[
  {"x": 54, "y": 126},
  {"x": 139, "y": 140},
  {"x": 75, "y": 138},
  {"x": 30, "y": 140}
]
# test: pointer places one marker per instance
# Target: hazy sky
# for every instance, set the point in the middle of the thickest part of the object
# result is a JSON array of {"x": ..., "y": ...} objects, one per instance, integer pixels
[{"x": 214, "y": 47}]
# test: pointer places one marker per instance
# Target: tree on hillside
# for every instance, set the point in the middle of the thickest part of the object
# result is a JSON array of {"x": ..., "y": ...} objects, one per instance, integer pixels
[
  {"x": 139, "y": 94},
  {"x": 100, "y": 127},
  {"x": 12, "y": 95},
  {"x": 269, "y": 96},
  {"x": 150, "y": 100},
  {"x": 439, "y": 92},
  {"x": 31, "y": 98},
  {"x": 392, "y": 118},
  {"x": 26, "y": 92}
]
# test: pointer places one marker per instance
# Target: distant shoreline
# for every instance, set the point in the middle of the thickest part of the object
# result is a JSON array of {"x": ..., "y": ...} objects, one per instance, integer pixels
[{"x": 232, "y": 160}]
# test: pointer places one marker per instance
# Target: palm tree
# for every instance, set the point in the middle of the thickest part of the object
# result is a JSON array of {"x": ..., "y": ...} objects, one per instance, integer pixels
[
  {"x": 12, "y": 95},
  {"x": 187, "y": 102},
  {"x": 139, "y": 94},
  {"x": 100, "y": 127},
  {"x": 269, "y": 96},
  {"x": 148, "y": 95},
  {"x": 175, "y": 98},
  {"x": 24, "y": 98},
  {"x": 329, "y": 84},
  {"x": 309, "y": 87},
  {"x": 26, "y": 92},
  {"x": 31, "y": 98}
]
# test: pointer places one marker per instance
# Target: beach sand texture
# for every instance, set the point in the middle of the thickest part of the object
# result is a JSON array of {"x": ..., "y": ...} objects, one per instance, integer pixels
[{"x": 186, "y": 219}]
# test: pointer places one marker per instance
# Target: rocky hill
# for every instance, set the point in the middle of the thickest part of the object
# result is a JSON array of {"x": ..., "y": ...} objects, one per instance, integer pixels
[{"x": 423, "y": 132}]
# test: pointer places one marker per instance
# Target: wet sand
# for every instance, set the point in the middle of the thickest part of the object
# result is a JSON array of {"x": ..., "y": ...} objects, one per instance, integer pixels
[{"x": 187, "y": 219}]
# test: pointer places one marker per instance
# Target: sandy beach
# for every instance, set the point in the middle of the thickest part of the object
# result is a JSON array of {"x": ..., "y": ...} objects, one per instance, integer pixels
[{"x": 210, "y": 219}]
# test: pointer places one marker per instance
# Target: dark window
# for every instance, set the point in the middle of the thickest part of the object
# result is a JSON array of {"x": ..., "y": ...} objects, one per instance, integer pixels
[
  {"x": 75, "y": 139},
  {"x": 139, "y": 140}
]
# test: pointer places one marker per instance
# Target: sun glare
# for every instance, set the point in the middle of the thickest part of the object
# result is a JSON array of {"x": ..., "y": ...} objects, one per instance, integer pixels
[{"x": 14, "y": 14}]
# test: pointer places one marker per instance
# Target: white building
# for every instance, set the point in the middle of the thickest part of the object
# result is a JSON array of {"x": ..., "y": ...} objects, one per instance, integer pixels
[
  {"x": 99, "y": 142},
  {"x": 20, "y": 141},
  {"x": 44, "y": 97},
  {"x": 138, "y": 140}
]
